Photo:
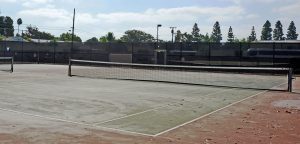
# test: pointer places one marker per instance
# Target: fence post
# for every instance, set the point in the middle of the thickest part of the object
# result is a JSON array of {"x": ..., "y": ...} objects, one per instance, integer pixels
[
  {"x": 273, "y": 56},
  {"x": 181, "y": 45},
  {"x": 71, "y": 52},
  {"x": 132, "y": 53},
  {"x": 5, "y": 44},
  {"x": 54, "y": 53},
  {"x": 290, "y": 80},
  {"x": 22, "y": 50},
  {"x": 209, "y": 53},
  {"x": 91, "y": 50},
  {"x": 154, "y": 53},
  {"x": 240, "y": 55},
  {"x": 166, "y": 54},
  {"x": 38, "y": 53}
]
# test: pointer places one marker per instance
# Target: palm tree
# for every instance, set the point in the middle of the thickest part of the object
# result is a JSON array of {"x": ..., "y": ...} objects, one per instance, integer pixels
[{"x": 19, "y": 21}]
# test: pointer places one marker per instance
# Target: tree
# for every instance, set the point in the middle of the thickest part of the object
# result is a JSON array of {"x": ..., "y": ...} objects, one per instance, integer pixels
[
  {"x": 205, "y": 38},
  {"x": 216, "y": 35},
  {"x": 278, "y": 32},
  {"x": 292, "y": 32},
  {"x": 110, "y": 37},
  {"x": 92, "y": 40},
  {"x": 6, "y": 26},
  {"x": 252, "y": 36},
  {"x": 196, "y": 33},
  {"x": 243, "y": 40},
  {"x": 187, "y": 37},
  {"x": 236, "y": 40},
  {"x": 266, "y": 33},
  {"x": 178, "y": 36},
  {"x": 1, "y": 37},
  {"x": 68, "y": 37},
  {"x": 137, "y": 36},
  {"x": 19, "y": 22},
  {"x": 230, "y": 35},
  {"x": 34, "y": 33},
  {"x": 103, "y": 39}
]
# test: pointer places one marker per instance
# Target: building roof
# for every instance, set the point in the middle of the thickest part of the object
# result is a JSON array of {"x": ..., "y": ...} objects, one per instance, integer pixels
[{"x": 15, "y": 39}]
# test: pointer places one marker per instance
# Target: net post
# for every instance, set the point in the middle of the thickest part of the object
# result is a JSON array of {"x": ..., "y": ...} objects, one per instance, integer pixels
[
  {"x": 290, "y": 80},
  {"x": 12, "y": 65},
  {"x": 69, "y": 70}
]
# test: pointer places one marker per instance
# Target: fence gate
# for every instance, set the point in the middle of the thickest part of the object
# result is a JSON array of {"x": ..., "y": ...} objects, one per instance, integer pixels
[{"x": 160, "y": 57}]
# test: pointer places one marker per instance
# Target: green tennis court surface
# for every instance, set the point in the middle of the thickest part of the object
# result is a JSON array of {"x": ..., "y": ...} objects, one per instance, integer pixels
[{"x": 148, "y": 108}]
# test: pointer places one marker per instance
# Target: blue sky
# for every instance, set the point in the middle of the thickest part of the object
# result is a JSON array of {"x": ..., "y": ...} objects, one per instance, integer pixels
[{"x": 97, "y": 17}]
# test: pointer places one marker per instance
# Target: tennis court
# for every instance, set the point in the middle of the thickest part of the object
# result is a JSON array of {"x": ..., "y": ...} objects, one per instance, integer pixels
[
  {"x": 46, "y": 93},
  {"x": 147, "y": 108}
]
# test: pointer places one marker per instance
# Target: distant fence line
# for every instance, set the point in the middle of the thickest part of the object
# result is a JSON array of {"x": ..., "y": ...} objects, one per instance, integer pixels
[{"x": 221, "y": 54}]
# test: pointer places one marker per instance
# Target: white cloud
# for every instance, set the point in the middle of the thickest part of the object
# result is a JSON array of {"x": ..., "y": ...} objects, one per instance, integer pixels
[
  {"x": 233, "y": 1},
  {"x": 55, "y": 16},
  {"x": 35, "y": 3},
  {"x": 8, "y": 1},
  {"x": 149, "y": 16},
  {"x": 292, "y": 9},
  {"x": 172, "y": 14},
  {"x": 89, "y": 24},
  {"x": 48, "y": 13},
  {"x": 86, "y": 18},
  {"x": 48, "y": 19},
  {"x": 29, "y": 3},
  {"x": 118, "y": 22},
  {"x": 250, "y": 1}
]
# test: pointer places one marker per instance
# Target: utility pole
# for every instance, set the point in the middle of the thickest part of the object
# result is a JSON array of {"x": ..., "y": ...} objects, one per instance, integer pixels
[
  {"x": 3, "y": 23},
  {"x": 73, "y": 27},
  {"x": 172, "y": 31},
  {"x": 72, "y": 45}
]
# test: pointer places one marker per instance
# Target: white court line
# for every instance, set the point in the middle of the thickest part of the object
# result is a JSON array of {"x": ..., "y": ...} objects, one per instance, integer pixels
[
  {"x": 126, "y": 131},
  {"x": 203, "y": 116},
  {"x": 158, "y": 107},
  {"x": 77, "y": 123}
]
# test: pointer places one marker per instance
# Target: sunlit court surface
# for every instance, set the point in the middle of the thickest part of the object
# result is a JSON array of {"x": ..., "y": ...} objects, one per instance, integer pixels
[
  {"x": 149, "y": 72},
  {"x": 41, "y": 103}
]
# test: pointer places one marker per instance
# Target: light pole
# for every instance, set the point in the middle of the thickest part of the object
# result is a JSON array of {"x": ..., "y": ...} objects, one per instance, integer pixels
[
  {"x": 157, "y": 46},
  {"x": 159, "y": 25}
]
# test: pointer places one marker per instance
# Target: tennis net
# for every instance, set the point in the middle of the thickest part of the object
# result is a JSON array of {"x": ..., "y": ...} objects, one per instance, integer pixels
[
  {"x": 233, "y": 77},
  {"x": 7, "y": 64}
]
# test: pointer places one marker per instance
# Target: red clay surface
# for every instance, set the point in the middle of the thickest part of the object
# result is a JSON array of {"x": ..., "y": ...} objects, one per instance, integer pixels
[{"x": 255, "y": 120}]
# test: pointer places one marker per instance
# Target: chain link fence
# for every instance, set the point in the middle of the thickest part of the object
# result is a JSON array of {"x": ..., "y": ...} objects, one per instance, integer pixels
[{"x": 215, "y": 54}]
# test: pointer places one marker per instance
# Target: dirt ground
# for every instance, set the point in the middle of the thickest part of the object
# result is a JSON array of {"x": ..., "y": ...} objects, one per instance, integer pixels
[
  {"x": 271, "y": 117},
  {"x": 252, "y": 121},
  {"x": 256, "y": 120}
]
